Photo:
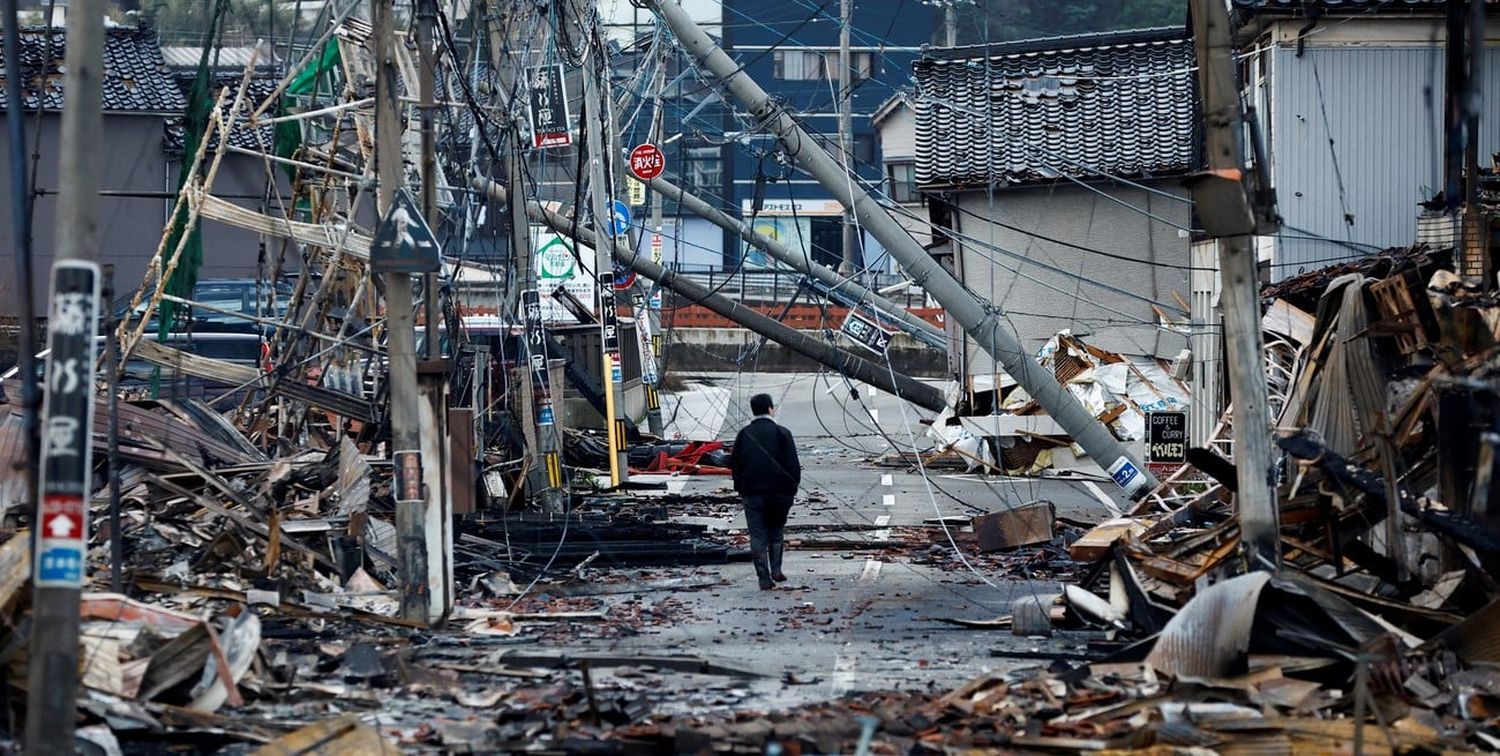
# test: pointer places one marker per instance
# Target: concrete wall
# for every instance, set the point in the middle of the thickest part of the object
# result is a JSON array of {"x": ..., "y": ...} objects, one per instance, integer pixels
[
  {"x": 898, "y": 134},
  {"x": 1356, "y": 129},
  {"x": 130, "y": 228},
  {"x": 1105, "y": 301}
]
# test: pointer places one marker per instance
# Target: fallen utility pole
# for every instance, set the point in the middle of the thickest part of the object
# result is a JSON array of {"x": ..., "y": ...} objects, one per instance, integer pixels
[
  {"x": 980, "y": 319},
  {"x": 401, "y": 339},
  {"x": 1226, "y": 210},
  {"x": 65, "y": 475},
  {"x": 799, "y": 261},
  {"x": 841, "y": 361},
  {"x": 609, "y": 331}
]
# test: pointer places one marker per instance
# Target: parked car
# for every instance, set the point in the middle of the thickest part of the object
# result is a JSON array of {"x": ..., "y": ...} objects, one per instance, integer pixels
[{"x": 223, "y": 304}]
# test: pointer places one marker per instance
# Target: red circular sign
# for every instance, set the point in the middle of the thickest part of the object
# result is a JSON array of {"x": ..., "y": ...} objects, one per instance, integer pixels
[{"x": 647, "y": 162}]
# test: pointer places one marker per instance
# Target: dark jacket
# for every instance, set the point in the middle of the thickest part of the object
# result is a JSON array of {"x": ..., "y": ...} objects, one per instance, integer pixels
[{"x": 764, "y": 460}]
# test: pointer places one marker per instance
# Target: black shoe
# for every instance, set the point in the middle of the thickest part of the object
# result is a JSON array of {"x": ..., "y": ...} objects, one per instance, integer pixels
[
  {"x": 763, "y": 572},
  {"x": 775, "y": 559}
]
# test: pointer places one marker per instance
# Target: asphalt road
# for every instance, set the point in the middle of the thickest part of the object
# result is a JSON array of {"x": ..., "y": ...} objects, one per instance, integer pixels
[{"x": 850, "y": 618}]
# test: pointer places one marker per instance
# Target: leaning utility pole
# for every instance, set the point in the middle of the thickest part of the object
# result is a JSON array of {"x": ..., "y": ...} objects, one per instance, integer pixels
[
  {"x": 841, "y": 361},
  {"x": 843, "y": 288},
  {"x": 66, "y": 478},
  {"x": 1223, "y": 200},
  {"x": 846, "y": 132},
  {"x": 599, "y": 195},
  {"x": 401, "y": 339},
  {"x": 980, "y": 319}
]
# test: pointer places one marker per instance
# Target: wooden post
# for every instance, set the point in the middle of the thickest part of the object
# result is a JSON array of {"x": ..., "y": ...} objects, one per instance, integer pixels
[{"x": 1226, "y": 212}]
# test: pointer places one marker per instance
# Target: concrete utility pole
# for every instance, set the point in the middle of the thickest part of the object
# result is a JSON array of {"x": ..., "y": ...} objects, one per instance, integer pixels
[
  {"x": 950, "y": 23},
  {"x": 839, "y": 360},
  {"x": 1227, "y": 213},
  {"x": 546, "y": 479},
  {"x": 599, "y": 195},
  {"x": 801, "y": 262},
  {"x": 61, "y": 525},
  {"x": 401, "y": 339},
  {"x": 645, "y": 315},
  {"x": 980, "y": 319},
  {"x": 846, "y": 133},
  {"x": 432, "y": 371}
]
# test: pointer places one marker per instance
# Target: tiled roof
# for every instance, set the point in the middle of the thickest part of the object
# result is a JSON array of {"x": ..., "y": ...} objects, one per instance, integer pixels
[
  {"x": 135, "y": 77},
  {"x": 261, "y": 86},
  {"x": 1122, "y": 103}
]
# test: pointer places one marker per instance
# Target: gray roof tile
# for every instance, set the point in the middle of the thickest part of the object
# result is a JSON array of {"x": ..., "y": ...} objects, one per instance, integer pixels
[
  {"x": 135, "y": 77},
  {"x": 1122, "y": 103}
]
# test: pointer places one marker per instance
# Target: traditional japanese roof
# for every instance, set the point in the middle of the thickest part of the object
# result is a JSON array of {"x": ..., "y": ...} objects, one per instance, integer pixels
[
  {"x": 136, "y": 79},
  {"x": 1121, "y": 103}
]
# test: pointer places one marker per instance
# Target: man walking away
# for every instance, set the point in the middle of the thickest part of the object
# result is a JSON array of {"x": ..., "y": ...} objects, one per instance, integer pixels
[{"x": 766, "y": 475}]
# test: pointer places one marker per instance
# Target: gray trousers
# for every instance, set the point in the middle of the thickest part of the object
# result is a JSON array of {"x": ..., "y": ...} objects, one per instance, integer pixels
[{"x": 765, "y": 516}]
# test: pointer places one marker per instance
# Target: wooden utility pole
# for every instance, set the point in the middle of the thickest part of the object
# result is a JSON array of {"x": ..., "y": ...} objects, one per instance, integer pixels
[
  {"x": 1222, "y": 197},
  {"x": 66, "y": 479},
  {"x": 846, "y": 133},
  {"x": 433, "y": 368},
  {"x": 401, "y": 338},
  {"x": 599, "y": 196}
]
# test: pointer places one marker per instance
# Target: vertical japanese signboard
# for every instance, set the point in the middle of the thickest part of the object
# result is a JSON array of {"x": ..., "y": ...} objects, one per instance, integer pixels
[
  {"x": 68, "y": 412},
  {"x": 609, "y": 323},
  {"x": 548, "y": 105},
  {"x": 536, "y": 350}
]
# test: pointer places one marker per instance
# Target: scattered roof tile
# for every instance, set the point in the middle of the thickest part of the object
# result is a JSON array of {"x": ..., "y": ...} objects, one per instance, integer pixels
[
  {"x": 1122, "y": 103},
  {"x": 135, "y": 77}
]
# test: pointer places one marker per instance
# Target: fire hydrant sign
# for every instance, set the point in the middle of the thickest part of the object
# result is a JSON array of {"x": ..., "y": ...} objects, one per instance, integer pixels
[
  {"x": 647, "y": 162},
  {"x": 67, "y": 424}
]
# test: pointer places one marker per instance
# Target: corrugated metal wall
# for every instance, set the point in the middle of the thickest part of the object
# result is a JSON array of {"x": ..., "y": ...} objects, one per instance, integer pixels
[{"x": 1384, "y": 131}]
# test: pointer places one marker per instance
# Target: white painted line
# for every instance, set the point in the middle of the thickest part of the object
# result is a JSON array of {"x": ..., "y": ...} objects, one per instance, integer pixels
[
  {"x": 882, "y": 521},
  {"x": 875, "y": 415},
  {"x": 843, "y": 674},
  {"x": 871, "y": 571},
  {"x": 1109, "y": 504},
  {"x": 884, "y": 534},
  {"x": 871, "y": 391},
  {"x": 886, "y": 479},
  {"x": 888, "y": 500}
]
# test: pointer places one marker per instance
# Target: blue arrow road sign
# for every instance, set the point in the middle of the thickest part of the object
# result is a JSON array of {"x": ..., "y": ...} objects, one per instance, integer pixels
[{"x": 619, "y": 218}]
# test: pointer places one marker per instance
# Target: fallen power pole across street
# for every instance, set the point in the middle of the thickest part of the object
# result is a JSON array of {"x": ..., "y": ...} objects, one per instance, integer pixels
[
  {"x": 844, "y": 362},
  {"x": 899, "y": 316},
  {"x": 980, "y": 319}
]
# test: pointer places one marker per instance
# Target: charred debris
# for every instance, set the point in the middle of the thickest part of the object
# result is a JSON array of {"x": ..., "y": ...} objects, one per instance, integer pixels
[{"x": 257, "y": 599}]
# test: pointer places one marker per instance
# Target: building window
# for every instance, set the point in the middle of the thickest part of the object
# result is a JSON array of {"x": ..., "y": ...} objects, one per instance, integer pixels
[
  {"x": 903, "y": 178},
  {"x": 818, "y": 65},
  {"x": 704, "y": 168}
]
